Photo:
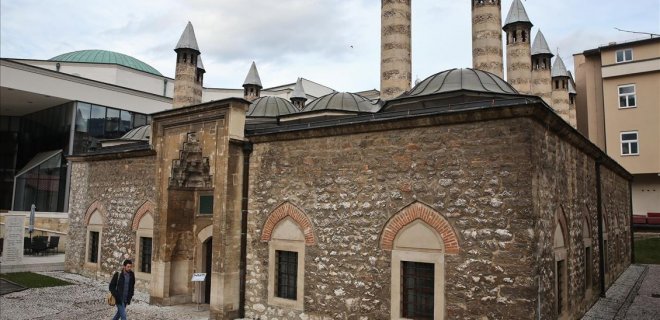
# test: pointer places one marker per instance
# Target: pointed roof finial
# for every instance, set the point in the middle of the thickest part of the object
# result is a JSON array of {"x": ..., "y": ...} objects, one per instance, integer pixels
[
  {"x": 253, "y": 76},
  {"x": 299, "y": 90},
  {"x": 540, "y": 46},
  {"x": 559, "y": 68},
  {"x": 188, "y": 39},
  {"x": 517, "y": 13}
]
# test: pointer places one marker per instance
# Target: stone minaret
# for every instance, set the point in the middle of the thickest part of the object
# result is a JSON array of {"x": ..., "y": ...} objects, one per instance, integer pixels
[
  {"x": 560, "y": 97},
  {"x": 187, "y": 82},
  {"x": 572, "y": 112},
  {"x": 487, "y": 36},
  {"x": 518, "y": 50},
  {"x": 541, "y": 76},
  {"x": 395, "y": 48},
  {"x": 252, "y": 84},
  {"x": 298, "y": 96}
]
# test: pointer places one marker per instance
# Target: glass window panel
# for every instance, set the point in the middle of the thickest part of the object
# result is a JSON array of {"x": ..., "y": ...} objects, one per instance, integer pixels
[
  {"x": 97, "y": 121},
  {"x": 145, "y": 255},
  {"x": 633, "y": 148},
  {"x": 628, "y": 54},
  {"x": 206, "y": 204},
  {"x": 111, "y": 122},
  {"x": 619, "y": 56},
  {"x": 139, "y": 120},
  {"x": 627, "y": 89},
  {"x": 629, "y": 136},
  {"x": 631, "y": 101},
  {"x": 125, "y": 125},
  {"x": 625, "y": 149}
]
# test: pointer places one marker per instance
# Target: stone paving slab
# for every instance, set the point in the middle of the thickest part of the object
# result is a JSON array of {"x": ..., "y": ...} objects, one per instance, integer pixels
[
  {"x": 85, "y": 299},
  {"x": 631, "y": 296}
]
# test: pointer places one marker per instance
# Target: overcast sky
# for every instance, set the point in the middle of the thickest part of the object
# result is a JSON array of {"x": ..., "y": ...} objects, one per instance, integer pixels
[{"x": 333, "y": 42}]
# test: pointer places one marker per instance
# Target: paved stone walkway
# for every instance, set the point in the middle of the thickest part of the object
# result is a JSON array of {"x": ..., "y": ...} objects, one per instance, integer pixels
[
  {"x": 631, "y": 297},
  {"x": 85, "y": 299}
]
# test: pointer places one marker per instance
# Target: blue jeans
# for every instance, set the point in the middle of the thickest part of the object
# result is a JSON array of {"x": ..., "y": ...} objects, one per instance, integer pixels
[{"x": 121, "y": 312}]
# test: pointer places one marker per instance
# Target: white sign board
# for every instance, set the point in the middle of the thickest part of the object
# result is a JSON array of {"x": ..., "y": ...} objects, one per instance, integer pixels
[
  {"x": 12, "y": 248},
  {"x": 198, "y": 277}
]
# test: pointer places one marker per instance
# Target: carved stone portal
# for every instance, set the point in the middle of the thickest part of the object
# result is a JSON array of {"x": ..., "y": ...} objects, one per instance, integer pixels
[{"x": 191, "y": 169}]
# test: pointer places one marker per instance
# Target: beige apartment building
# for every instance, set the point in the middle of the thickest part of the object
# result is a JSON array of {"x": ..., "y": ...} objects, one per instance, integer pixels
[{"x": 618, "y": 108}]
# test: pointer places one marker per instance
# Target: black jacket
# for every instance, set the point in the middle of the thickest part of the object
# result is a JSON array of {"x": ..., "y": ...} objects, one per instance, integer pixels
[{"x": 117, "y": 286}]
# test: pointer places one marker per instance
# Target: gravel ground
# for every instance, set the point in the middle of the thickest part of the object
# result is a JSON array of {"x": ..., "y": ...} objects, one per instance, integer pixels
[{"x": 85, "y": 299}]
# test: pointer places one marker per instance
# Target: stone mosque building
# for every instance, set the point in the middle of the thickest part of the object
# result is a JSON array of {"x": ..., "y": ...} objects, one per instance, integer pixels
[{"x": 463, "y": 197}]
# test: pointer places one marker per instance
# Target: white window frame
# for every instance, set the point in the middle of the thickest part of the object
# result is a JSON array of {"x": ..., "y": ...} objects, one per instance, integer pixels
[
  {"x": 616, "y": 55},
  {"x": 93, "y": 228},
  {"x": 629, "y": 142},
  {"x": 619, "y": 95},
  {"x": 287, "y": 240}
]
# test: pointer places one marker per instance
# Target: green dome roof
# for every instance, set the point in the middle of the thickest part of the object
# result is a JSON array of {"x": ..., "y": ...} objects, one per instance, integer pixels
[{"x": 103, "y": 56}]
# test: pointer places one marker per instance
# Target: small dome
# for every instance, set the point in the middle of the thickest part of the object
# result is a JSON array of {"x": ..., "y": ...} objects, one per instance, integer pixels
[
  {"x": 270, "y": 107},
  {"x": 141, "y": 133},
  {"x": 459, "y": 80},
  {"x": 342, "y": 101},
  {"x": 103, "y": 56}
]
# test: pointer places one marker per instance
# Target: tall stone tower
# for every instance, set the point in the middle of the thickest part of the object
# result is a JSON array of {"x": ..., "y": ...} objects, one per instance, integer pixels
[
  {"x": 395, "y": 48},
  {"x": 487, "y": 36},
  {"x": 560, "y": 97},
  {"x": 298, "y": 96},
  {"x": 187, "y": 78},
  {"x": 541, "y": 75},
  {"x": 252, "y": 84},
  {"x": 518, "y": 51}
]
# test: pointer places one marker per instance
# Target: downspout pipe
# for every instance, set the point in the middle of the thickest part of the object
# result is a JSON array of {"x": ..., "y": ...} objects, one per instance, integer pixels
[
  {"x": 247, "y": 151},
  {"x": 601, "y": 242},
  {"x": 632, "y": 235}
]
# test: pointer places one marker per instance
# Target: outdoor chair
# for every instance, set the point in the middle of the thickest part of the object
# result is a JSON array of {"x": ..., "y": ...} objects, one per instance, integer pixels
[
  {"x": 39, "y": 244},
  {"x": 54, "y": 243}
]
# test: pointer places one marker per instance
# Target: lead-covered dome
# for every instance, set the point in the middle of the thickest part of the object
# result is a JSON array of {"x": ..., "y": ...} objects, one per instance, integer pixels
[
  {"x": 461, "y": 80},
  {"x": 270, "y": 107},
  {"x": 342, "y": 101},
  {"x": 109, "y": 57}
]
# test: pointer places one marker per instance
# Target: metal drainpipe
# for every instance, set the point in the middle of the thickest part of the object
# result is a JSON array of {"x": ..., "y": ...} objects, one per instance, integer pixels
[
  {"x": 247, "y": 150},
  {"x": 632, "y": 235},
  {"x": 601, "y": 253}
]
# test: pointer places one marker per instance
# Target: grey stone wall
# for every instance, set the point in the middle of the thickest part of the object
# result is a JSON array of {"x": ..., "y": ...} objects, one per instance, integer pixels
[
  {"x": 474, "y": 174},
  {"x": 121, "y": 186},
  {"x": 498, "y": 183},
  {"x": 564, "y": 182}
]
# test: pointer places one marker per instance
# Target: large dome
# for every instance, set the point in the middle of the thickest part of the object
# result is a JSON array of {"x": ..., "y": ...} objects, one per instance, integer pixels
[
  {"x": 103, "y": 56},
  {"x": 461, "y": 80},
  {"x": 342, "y": 101},
  {"x": 270, "y": 107}
]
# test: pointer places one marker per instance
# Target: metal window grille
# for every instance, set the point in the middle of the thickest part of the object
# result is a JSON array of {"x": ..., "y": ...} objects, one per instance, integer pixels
[
  {"x": 145, "y": 255},
  {"x": 417, "y": 289},
  {"x": 287, "y": 274},
  {"x": 93, "y": 246}
]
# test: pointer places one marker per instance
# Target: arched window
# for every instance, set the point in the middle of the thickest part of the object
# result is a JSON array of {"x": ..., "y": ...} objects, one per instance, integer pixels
[
  {"x": 143, "y": 226},
  {"x": 561, "y": 273},
  {"x": 95, "y": 221},
  {"x": 287, "y": 230},
  {"x": 418, "y": 238}
]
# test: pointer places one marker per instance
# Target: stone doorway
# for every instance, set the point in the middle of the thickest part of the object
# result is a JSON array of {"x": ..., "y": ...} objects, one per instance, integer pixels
[{"x": 208, "y": 254}]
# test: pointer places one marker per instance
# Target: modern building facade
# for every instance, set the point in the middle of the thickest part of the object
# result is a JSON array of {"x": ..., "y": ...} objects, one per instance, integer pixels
[{"x": 618, "y": 108}]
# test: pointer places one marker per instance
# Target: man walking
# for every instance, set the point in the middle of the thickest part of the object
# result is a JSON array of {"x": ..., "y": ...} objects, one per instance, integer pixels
[{"x": 122, "y": 286}]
